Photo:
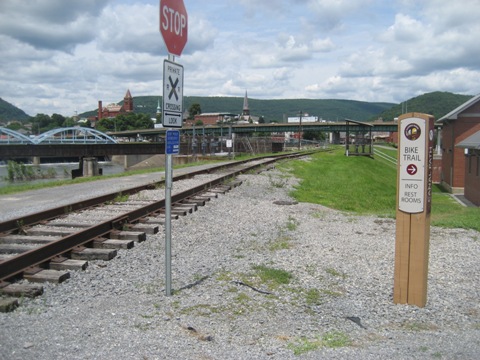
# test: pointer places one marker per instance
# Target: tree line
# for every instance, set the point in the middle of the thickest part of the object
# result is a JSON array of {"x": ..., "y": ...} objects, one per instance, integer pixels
[{"x": 41, "y": 123}]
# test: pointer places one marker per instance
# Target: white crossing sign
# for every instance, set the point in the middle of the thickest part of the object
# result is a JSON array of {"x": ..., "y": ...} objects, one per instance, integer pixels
[{"x": 172, "y": 111}]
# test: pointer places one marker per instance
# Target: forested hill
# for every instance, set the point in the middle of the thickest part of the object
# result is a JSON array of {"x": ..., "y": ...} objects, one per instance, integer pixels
[
  {"x": 272, "y": 110},
  {"x": 10, "y": 112},
  {"x": 435, "y": 103}
]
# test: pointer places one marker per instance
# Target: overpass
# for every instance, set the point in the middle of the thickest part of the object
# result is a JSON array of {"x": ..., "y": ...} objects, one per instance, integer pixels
[{"x": 159, "y": 134}]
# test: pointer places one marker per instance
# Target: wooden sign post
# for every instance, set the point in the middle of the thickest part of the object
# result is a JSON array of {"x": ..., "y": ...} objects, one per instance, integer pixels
[{"x": 414, "y": 198}]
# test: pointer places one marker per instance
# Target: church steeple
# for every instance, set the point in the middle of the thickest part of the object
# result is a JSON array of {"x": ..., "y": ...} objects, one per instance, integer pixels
[
  {"x": 159, "y": 109},
  {"x": 128, "y": 102},
  {"x": 246, "y": 109}
]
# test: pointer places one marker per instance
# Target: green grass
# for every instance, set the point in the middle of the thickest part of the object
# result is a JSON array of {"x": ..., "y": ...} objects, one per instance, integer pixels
[
  {"x": 365, "y": 186},
  {"x": 332, "y": 339},
  {"x": 356, "y": 184},
  {"x": 448, "y": 213},
  {"x": 272, "y": 276}
]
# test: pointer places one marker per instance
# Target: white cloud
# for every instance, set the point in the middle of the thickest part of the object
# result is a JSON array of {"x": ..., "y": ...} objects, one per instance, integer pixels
[
  {"x": 61, "y": 56},
  {"x": 50, "y": 24}
]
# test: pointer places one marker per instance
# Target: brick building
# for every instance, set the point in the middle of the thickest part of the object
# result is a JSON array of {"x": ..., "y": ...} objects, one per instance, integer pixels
[
  {"x": 112, "y": 110},
  {"x": 210, "y": 118},
  {"x": 471, "y": 148},
  {"x": 457, "y": 125},
  {"x": 218, "y": 118}
]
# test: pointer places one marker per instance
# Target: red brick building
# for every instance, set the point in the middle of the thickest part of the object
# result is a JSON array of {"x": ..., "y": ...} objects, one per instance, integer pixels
[
  {"x": 210, "y": 118},
  {"x": 457, "y": 126},
  {"x": 471, "y": 148},
  {"x": 112, "y": 110}
]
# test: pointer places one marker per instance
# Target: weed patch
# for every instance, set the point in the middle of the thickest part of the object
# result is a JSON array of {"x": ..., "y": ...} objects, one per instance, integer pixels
[
  {"x": 333, "y": 339},
  {"x": 273, "y": 277}
]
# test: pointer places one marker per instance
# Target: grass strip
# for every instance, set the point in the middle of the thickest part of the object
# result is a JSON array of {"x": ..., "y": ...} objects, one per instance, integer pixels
[{"x": 367, "y": 186}]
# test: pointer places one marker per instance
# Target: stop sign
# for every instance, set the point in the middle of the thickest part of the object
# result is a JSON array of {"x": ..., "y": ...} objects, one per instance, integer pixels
[{"x": 174, "y": 25}]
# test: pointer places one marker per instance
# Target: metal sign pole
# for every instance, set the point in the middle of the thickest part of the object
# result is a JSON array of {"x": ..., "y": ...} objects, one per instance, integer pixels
[
  {"x": 229, "y": 145},
  {"x": 168, "y": 225},
  {"x": 174, "y": 30},
  {"x": 168, "y": 217}
]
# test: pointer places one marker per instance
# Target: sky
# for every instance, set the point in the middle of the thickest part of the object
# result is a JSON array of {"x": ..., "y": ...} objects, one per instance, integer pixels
[{"x": 63, "y": 57}]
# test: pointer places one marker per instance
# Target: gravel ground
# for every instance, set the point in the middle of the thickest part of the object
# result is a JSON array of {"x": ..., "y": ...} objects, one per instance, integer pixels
[{"x": 335, "y": 302}]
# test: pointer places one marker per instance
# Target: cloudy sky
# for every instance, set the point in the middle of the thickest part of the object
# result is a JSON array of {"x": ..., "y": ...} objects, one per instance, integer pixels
[{"x": 62, "y": 56}]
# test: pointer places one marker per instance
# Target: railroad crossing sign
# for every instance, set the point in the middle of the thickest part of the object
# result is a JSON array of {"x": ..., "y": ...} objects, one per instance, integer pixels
[
  {"x": 174, "y": 25},
  {"x": 172, "y": 112}
]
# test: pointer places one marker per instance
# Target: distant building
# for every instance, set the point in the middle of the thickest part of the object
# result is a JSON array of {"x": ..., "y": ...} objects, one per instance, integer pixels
[
  {"x": 112, "y": 110},
  {"x": 246, "y": 117},
  {"x": 457, "y": 125},
  {"x": 222, "y": 117},
  {"x": 211, "y": 118}
]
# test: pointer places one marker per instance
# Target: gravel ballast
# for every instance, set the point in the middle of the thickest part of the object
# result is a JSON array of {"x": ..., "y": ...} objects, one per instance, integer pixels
[{"x": 336, "y": 300}]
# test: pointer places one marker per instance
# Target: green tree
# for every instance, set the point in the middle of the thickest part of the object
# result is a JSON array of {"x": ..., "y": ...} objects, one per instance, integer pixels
[
  {"x": 143, "y": 121},
  {"x": 313, "y": 135},
  {"x": 106, "y": 124},
  {"x": 57, "y": 121},
  {"x": 15, "y": 125},
  {"x": 193, "y": 110},
  {"x": 123, "y": 122},
  {"x": 40, "y": 123},
  {"x": 68, "y": 122}
]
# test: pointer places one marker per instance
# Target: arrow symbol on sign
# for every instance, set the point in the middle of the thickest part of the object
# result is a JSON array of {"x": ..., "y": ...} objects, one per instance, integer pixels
[
  {"x": 173, "y": 90},
  {"x": 411, "y": 169}
]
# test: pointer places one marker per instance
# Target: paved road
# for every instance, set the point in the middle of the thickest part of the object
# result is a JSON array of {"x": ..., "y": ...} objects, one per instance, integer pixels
[{"x": 24, "y": 203}]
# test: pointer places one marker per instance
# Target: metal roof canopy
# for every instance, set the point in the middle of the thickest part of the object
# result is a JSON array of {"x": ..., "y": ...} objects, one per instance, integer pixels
[
  {"x": 363, "y": 142},
  {"x": 471, "y": 142}
]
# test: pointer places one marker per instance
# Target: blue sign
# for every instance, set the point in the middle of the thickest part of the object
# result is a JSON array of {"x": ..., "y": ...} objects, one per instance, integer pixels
[{"x": 172, "y": 142}]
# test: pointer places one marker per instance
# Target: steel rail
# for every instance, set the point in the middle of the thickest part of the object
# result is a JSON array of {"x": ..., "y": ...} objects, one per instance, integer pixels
[
  {"x": 17, "y": 265},
  {"x": 36, "y": 218}
]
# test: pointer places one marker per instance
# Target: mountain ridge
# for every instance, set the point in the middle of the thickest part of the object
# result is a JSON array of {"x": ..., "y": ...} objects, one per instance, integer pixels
[
  {"x": 10, "y": 112},
  {"x": 271, "y": 109},
  {"x": 436, "y": 103}
]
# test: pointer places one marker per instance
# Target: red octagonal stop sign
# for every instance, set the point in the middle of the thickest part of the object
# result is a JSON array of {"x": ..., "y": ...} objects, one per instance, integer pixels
[{"x": 174, "y": 25}]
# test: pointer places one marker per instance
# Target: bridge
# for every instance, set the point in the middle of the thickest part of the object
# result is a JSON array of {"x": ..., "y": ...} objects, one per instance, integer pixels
[
  {"x": 72, "y": 142},
  {"x": 69, "y": 135}
]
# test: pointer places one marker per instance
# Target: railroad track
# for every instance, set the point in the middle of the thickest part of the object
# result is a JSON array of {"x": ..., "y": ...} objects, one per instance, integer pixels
[{"x": 46, "y": 246}]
